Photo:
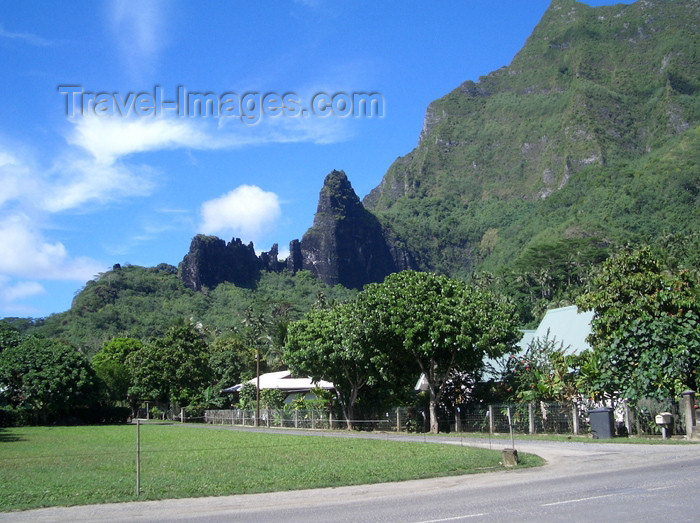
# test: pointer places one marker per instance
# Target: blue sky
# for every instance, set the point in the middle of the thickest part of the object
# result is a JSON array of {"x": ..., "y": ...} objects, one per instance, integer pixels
[{"x": 80, "y": 193}]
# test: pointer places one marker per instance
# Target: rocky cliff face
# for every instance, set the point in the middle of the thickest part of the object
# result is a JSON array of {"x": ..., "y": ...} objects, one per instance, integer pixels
[
  {"x": 591, "y": 132},
  {"x": 347, "y": 244},
  {"x": 594, "y": 91},
  {"x": 211, "y": 261}
]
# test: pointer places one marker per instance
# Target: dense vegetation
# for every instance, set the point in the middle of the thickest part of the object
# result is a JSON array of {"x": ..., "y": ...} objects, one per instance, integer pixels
[
  {"x": 590, "y": 134},
  {"x": 143, "y": 303},
  {"x": 522, "y": 186},
  {"x": 646, "y": 339},
  {"x": 412, "y": 324}
]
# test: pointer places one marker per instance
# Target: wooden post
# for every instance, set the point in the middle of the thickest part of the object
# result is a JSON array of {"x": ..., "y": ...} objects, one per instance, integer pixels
[
  {"x": 330, "y": 420},
  {"x": 510, "y": 427},
  {"x": 574, "y": 412},
  {"x": 312, "y": 419},
  {"x": 138, "y": 457},
  {"x": 296, "y": 419},
  {"x": 689, "y": 410},
  {"x": 398, "y": 420},
  {"x": 628, "y": 418},
  {"x": 182, "y": 415},
  {"x": 492, "y": 423},
  {"x": 531, "y": 417},
  {"x": 257, "y": 387}
]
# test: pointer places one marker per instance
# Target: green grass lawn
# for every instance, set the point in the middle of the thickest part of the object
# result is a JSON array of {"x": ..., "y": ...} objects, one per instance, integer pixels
[{"x": 50, "y": 466}]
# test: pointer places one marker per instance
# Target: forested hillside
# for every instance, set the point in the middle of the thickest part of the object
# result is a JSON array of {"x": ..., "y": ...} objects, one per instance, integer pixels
[
  {"x": 590, "y": 134},
  {"x": 525, "y": 182},
  {"x": 142, "y": 303}
]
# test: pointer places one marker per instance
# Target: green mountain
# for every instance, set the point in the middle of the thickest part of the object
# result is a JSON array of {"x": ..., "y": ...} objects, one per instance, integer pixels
[
  {"x": 143, "y": 302},
  {"x": 590, "y": 134},
  {"x": 588, "y": 140}
]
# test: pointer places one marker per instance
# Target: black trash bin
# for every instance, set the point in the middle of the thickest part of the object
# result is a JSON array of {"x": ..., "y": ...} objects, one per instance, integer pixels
[{"x": 602, "y": 423}]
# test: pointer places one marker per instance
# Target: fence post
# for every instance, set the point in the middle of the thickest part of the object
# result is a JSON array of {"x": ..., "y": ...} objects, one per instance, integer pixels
[
  {"x": 182, "y": 415},
  {"x": 689, "y": 398},
  {"x": 296, "y": 418},
  {"x": 492, "y": 423},
  {"x": 398, "y": 420},
  {"x": 313, "y": 425},
  {"x": 330, "y": 420},
  {"x": 628, "y": 418},
  {"x": 531, "y": 417},
  {"x": 458, "y": 421},
  {"x": 574, "y": 412},
  {"x": 138, "y": 457}
]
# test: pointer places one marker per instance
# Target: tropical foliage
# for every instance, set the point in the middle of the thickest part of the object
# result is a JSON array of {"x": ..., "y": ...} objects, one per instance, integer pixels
[
  {"x": 47, "y": 377},
  {"x": 646, "y": 328},
  {"x": 411, "y": 324}
]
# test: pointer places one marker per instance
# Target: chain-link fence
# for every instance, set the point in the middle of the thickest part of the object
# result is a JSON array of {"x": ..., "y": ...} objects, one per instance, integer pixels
[{"x": 523, "y": 418}]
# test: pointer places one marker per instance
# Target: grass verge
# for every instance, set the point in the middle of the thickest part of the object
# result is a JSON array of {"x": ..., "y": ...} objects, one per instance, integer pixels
[{"x": 53, "y": 466}]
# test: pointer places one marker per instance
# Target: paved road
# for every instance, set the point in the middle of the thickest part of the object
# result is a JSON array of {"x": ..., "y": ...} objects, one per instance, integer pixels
[{"x": 582, "y": 482}]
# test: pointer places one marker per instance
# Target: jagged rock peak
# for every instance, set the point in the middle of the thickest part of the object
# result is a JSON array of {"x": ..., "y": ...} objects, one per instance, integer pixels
[
  {"x": 346, "y": 243},
  {"x": 337, "y": 195},
  {"x": 210, "y": 261}
]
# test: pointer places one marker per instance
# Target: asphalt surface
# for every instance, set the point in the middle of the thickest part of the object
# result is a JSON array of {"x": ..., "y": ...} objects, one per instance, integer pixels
[{"x": 581, "y": 482}]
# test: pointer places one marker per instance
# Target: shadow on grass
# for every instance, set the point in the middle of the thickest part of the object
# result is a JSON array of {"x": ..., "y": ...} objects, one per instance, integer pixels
[{"x": 6, "y": 437}]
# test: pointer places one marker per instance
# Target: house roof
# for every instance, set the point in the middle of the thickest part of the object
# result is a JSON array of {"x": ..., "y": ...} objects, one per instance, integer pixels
[
  {"x": 566, "y": 325},
  {"x": 282, "y": 380}
]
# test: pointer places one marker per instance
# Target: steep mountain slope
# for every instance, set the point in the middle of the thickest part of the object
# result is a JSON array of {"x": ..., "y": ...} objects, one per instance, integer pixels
[
  {"x": 346, "y": 244},
  {"x": 590, "y": 132}
]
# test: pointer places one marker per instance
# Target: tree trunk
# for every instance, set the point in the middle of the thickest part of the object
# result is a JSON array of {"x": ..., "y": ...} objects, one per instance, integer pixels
[
  {"x": 433, "y": 412},
  {"x": 349, "y": 411}
]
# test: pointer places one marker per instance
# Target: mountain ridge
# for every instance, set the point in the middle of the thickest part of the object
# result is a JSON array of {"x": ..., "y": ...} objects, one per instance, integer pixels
[
  {"x": 588, "y": 140},
  {"x": 590, "y": 89}
]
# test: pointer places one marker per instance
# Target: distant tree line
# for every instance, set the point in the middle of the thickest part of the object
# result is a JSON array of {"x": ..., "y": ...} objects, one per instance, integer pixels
[{"x": 375, "y": 345}]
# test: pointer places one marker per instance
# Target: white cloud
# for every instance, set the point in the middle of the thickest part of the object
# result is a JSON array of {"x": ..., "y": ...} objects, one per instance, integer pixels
[
  {"x": 16, "y": 178},
  {"x": 11, "y": 293},
  {"x": 17, "y": 291},
  {"x": 73, "y": 180},
  {"x": 26, "y": 254},
  {"x": 24, "y": 37},
  {"x": 110, "y": 138},
  {"x": 81, "y": 180},
  {"x": 247, "y": 211},
  {"x": 139, "y": 32},
  {"x": 107, "y": 139}
]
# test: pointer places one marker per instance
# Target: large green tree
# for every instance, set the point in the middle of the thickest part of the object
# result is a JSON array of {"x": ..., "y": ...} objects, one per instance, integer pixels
[
  {"x": 332, "y": 344},
  {"x": 646, "y": 328},
  {"x": 47, "y": 376},
  {"x": 9, "y": 336},
  {"x": 111, "y": 364},
  {"x": 441, "y": 324},
  {"x": 173, "y": 368}
]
